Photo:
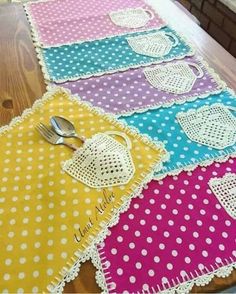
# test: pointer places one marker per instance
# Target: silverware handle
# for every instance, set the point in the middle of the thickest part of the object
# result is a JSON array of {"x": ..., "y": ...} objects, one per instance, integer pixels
[
  {"x": 71, "y": 146},
  {"x": 81, "y": 138}
]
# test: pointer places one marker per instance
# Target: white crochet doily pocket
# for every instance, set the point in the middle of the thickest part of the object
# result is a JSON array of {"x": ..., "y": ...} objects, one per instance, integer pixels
[
  {"x": 225, "y": 191},
  {"x": 176, "y": 78},
  {"x": 213, "y": 126},
  {"x": 132, "y": 18},
  {"x": 102, "y": 161},
  {"x": 154, "y": 44}
]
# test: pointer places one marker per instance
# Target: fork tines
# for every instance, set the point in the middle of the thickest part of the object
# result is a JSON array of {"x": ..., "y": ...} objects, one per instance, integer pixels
[
  {"x": 44, "y": 130},
  {"x": 47, "y": 133}
]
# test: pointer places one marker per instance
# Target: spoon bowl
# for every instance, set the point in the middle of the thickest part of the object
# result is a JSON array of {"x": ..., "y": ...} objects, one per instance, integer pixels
[{"x": 64, "y": 128}]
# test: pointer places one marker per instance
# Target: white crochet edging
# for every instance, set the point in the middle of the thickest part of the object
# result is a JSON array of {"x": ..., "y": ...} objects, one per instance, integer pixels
[
  {"x": 221, "y": 85},
  {"x": 37, "y": 39},
  {"x": 206, "y": 161},
  {"x": 33, "y": 26},
  {"x": 37, "y": 43},
  {"x": 192, "y": 167},
  {"x": 180, "y": 101},
  {"x": 104, "y": 279},
  {"x": 45, "y": 71},
  {"x": 82, "y": 255},
  {"x": 100, "y": 264},
  {"x": 72, "y": 273},
  {"x": 222, "y": 157},
  {"x": 185, "y": 287},
  {"x": 48, "y": 78},
  {"x": 193, "y": 110}
]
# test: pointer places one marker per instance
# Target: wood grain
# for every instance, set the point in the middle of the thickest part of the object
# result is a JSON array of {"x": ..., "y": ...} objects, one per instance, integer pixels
[
  {"x": 21, "y": 83},
  {"x": 21, "y": 80},
  {"x": 85, "y": 282}
]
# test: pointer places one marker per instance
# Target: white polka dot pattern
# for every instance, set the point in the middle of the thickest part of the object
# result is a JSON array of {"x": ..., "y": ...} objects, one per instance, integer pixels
[
  {"x": 162, "y": 124},
  {"x": 42, "y": 208},
  {"x": 129, "y": 91},
  {"x": 177, "y": 231},
  {"x": 71, "y": 62},
  {"x": 61, "y": 22}
]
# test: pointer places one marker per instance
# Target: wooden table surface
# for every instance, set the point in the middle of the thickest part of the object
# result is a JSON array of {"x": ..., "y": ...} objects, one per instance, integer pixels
[{"x": 21, "y": 83}]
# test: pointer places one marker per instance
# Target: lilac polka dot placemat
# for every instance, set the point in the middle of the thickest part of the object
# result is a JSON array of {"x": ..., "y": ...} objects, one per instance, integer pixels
[
  {"x": 59, "y": 22},
  {"x": 127, "y": 92},
  {"x": 174, "y": 235}
]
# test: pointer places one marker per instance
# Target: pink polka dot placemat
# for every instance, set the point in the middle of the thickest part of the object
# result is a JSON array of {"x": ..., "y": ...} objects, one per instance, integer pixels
[
  {"x": 59, "y": 22},
  {"x": 174, "y": 235},
  {"x": 130, "y": 91}
]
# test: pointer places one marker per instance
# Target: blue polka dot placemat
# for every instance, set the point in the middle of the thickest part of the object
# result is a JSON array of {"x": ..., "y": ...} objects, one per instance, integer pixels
[
  {"x": 71, "y": 62},
  {"x": 161, "y": 124}
]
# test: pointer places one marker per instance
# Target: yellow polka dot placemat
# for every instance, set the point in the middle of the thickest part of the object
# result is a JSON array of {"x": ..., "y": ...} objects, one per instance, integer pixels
[{"x": 49, "y": 221}]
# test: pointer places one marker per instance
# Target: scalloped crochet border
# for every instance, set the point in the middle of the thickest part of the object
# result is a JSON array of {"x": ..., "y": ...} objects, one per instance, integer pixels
[
  {"x": 80, "y": 255},
  {"x": 92, "y": 254},
  {"x": 98, "y": 74},
  {"x": 225, "y": 176},
  {"x": 70, "y": 274},
  {"x": 219, "y": 82},
  {"x": 37, "y": 40},
  {"x": 102, "y": 275},
  {"x": 192, "y": 167},
  {"x": 192, "y": 110},
  {"x": 87, "y": 254},
  {"x": 202, "y": 162}
]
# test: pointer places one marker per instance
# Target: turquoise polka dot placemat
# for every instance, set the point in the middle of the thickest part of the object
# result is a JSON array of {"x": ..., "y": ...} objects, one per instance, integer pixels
[
  {"x": 71, "y": 62},
  {"x": 161, "y": 124}
]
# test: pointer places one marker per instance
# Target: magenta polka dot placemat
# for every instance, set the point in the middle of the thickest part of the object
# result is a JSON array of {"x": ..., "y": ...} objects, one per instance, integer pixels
[
  {"x": 127, "y": 92},
  {"x": 174, "y": 235},
  {"x": 59, "y": 22}
]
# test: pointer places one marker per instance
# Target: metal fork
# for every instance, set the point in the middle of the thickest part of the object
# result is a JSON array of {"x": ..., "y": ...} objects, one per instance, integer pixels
[{"x": 52, "y": 137}]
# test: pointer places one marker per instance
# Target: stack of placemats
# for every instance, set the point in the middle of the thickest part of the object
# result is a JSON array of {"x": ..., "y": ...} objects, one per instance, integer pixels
[{"x": 122, "y": 57}]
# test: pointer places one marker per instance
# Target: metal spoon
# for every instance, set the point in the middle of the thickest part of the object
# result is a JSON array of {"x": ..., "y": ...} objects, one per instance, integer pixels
[{"x": 64, "y": 128}]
